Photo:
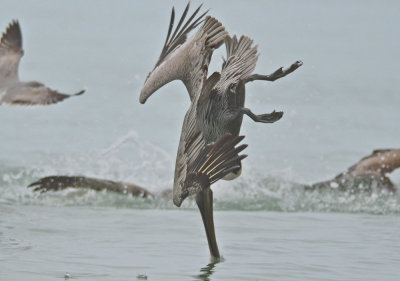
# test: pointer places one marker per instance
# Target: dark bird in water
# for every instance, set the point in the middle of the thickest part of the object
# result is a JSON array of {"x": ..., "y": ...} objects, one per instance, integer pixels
[
  {"x": 368, "y": 174},
  {"x": 61, "y": 182},
  {"x": 12, "y": 90}
]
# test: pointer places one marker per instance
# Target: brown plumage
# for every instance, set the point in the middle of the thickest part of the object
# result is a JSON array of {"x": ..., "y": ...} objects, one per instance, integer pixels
[
  {"x": 183, "y": 58},
  {"x": 55, "y": 183},
  {"x": 370, "y": 173},
  {"x": 187, "y": 59}
]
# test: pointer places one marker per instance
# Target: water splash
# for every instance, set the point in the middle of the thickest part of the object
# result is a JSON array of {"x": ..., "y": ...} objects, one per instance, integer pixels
[{"x": 132, "y": 160}]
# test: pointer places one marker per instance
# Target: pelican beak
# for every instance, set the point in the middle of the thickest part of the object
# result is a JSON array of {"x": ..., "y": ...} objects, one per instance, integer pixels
[
  {"x": 146, "y": 92},
  {"x": 204, "y": 200},
  {"x": 161, "y": 75},
  {"x": 155, "y": 80}
]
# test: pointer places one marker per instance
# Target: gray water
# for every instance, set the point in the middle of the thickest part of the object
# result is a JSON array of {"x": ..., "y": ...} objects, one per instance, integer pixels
[{"x": 339, "y": 106}]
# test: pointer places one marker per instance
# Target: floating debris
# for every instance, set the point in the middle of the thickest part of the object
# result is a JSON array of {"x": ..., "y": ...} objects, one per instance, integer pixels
[
  {"x": 142, "y": 277},
  {"x": 67, "y": 276}
]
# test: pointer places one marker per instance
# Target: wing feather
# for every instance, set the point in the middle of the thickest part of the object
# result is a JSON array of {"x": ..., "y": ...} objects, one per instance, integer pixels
[
  {"x": 198, "y": 160},
  {"x": 10, "y": 52},
  {"x": 190, "y": 145},
  {"x": 240, "y": 62},
  {"x": 33, "y": 93},
  {"x": 180, "y": 34}
]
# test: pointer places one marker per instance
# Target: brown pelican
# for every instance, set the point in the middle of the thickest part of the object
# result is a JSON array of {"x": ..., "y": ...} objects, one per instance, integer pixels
[
  {"x": 13, "y": 91},
  {"x": 187, "y": 59},
  {"x": 367, "y": 174},
  {"x": 371, "y": 171},
  {"x": 216, "y": 102}
]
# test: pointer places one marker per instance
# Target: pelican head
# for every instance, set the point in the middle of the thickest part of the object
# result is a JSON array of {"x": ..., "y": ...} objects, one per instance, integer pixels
[
  {"x": 161, "y": 75},
  {"x": 170, "y": 65}
]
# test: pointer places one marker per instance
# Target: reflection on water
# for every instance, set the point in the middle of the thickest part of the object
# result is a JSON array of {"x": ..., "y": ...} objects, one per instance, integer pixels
[{"x": 208, "y": 270}]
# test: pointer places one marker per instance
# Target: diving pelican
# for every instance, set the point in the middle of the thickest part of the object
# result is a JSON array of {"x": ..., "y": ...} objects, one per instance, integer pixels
[
  {"x": 187, "y": 59},
  {"x": 13, "y": 91}
]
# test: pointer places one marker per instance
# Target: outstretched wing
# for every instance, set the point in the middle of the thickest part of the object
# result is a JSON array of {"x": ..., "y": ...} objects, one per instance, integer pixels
[
  {"x": 185, "y": 59},
  {"x": 240, "y": 62},
  {"x": 380, "y": 162},
  {"x": 55, "y": 183},
  {"x": 10, "y": 52},
  {"x": 33, "y": 93}
]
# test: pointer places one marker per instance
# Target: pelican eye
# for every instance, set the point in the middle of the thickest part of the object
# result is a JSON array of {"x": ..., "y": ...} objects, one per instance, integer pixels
[{"x": 148, "y": 75}]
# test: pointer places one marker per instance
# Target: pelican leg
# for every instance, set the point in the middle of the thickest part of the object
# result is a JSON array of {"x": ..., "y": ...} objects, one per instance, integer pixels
[
  {"x": 263, "y": 118},
  {"x": 279, "y": 73}
]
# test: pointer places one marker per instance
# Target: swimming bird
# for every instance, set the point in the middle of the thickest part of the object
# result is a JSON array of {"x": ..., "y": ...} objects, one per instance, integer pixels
[
  {"x": 368, "y": 174},
  {"x": 12, "y": 90},
  {"x": 187, "y": 59}
]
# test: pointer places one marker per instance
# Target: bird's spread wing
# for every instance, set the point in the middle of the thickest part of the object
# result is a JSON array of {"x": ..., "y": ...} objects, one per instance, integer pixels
[
  {"x": 10, "y": 52},
  {"x": 239, "y": 64},
  {"x": 380, "y": 162},
  {"x": 33, "y": 93},
  {"x": 54, "y": 183},
  {"x": 213, "y": 34}
]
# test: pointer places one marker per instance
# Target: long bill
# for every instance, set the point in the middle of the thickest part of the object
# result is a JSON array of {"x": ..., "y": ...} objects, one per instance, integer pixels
[
  {"x": 204, "y": 200},
  {"x": 161, "y": 75}
]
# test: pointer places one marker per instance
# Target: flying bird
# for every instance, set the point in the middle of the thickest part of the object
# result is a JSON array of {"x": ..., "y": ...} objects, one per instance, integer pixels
[{"x": 12, "y": 90}]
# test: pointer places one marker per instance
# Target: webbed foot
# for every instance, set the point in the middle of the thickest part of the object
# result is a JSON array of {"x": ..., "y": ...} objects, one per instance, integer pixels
[
  {"x": 263, "y": 118},
  {"x": 279, "y": 73}
]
